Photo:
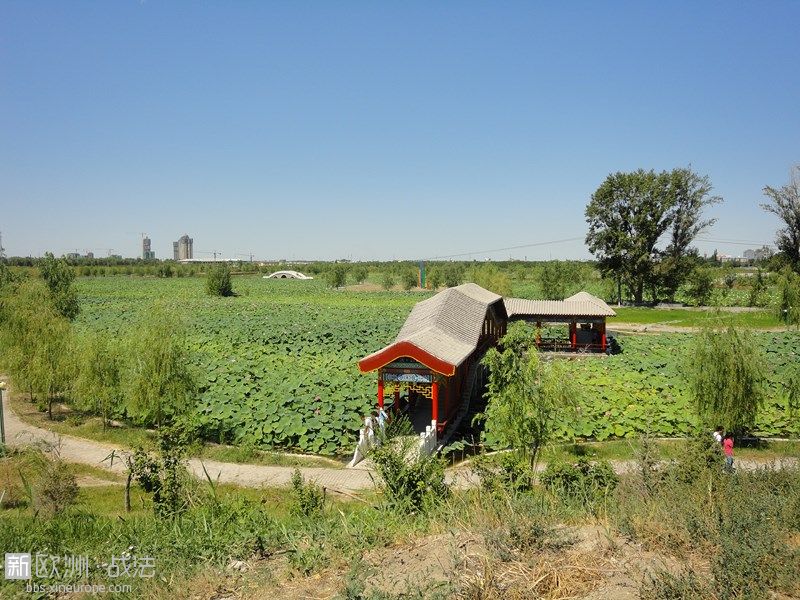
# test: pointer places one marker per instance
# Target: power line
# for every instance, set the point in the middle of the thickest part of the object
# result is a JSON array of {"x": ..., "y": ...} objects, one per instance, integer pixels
[
  {"x": 531, "y": 245},
  {"x": 735, "y": 242}
]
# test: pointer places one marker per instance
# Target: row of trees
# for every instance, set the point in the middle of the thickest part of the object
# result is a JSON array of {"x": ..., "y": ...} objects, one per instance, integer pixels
[{"x": 142, "y": 375}]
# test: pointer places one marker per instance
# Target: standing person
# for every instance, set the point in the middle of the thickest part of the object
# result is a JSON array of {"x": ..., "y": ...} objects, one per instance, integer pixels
[
  {"x": 382, "y": 418},
  {"x": 718, "y": 434},
  {"x": 727, "y": 448}
]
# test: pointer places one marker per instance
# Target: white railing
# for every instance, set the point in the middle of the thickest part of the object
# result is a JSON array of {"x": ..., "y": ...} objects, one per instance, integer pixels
[
  {"x": 366, "y": 441},
  {"x": 427, "y": 440}
]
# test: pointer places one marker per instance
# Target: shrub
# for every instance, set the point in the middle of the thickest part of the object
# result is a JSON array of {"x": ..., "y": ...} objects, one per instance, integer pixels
[
  {"x": 505, "y": 472},
  {"x": 410, "y": 483},
  {"x": 218, "y": 280},
  {"x": 663, "y": 585},
  {"x": 308, "y": 499},
  {"x": 336, "y": 275},
  {"x": 581, "y": 481},
  {"x": 387, "y": 280},
  {"x": 57, "y": 488},
  {"x": 408, "y": 278}
]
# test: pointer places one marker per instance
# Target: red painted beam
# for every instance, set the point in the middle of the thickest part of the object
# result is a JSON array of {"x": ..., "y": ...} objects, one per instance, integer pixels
[{"x": 401, "y": 349}]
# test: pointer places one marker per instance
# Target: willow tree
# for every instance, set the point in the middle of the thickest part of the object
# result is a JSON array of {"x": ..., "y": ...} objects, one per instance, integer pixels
[
  {"x": 37, "y": 343},
  {"x": 98, "y": 384},
  {"x": 726, "y": 371},
  {"x": 158, "y": 382},
  {"x": 525, "y": 394}
]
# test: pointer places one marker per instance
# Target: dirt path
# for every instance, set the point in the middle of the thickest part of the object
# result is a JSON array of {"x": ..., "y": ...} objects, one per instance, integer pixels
[{"x": 95, "y": 454}]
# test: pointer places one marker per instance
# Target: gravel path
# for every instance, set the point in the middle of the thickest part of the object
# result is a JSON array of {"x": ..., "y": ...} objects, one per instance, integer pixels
[{"x": 90, "y": 452}]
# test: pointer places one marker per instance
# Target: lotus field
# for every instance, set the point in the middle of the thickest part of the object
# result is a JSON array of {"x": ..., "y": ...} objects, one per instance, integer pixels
[{"x": 277, "y": 364}]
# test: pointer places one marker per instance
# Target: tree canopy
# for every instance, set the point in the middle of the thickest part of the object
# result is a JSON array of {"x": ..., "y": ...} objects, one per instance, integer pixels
[
  {"x": 58, "y": 277},
  {"x": 631, "y": 213},
  {"x": 785, "y": 203}
]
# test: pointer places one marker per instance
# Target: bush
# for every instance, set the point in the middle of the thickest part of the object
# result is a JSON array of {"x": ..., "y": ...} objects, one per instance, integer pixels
[
  {"x": 408, "y": 279},
  {"x": 57, "y": 488},
  {"x": 505, "y": 472},
  {"x": 582, "y": 481},
  {"x": 308, "y": 499},
  {"x": 387, "y": 280},
  {"x": 218, "y": 280},
  {"x": 410, "y": 483}
]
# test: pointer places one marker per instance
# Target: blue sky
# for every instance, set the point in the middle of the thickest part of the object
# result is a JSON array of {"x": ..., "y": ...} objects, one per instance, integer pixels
[{"x": 381, "y": 130}]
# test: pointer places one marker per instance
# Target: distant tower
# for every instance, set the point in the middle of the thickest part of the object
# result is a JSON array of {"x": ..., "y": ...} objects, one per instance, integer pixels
[
  {"x": 147, "y": 253},
  {"x": 182, "y": 249}
]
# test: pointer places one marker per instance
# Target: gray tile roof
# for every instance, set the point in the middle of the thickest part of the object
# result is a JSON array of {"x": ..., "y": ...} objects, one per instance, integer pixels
[
  {"x": 581, "y": 304},
  {"x": 448, "y": 325}
]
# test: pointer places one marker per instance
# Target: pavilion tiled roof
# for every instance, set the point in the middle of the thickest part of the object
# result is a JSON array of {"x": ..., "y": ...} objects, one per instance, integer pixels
[
  {"x": 581, "y": 304},
  {"x": 448, "y": 325},
  {"x": 444, "y": 330}
]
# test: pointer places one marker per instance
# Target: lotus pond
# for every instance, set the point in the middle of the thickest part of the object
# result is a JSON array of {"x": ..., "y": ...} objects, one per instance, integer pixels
[{"x": 277, "y": 364}]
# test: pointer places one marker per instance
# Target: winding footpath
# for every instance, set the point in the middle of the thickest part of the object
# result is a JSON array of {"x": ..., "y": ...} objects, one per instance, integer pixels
[{"x": 96, "y": 454}]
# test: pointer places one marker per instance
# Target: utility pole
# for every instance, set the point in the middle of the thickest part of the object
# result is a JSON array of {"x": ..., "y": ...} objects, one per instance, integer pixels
[{"x": 2, "y": 250}]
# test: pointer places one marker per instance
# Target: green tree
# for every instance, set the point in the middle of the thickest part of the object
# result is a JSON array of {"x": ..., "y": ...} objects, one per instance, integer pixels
[
  {"x": 360, "y": 273},
  {"x": 789, "y": 297},
  {"x": 58, "y": 277},
  {"x": 700, "y": 286},
  {"x": 554, "y": 277},
  {"x": 525, "y": 395},
  {"x": 158, "y": 383},
  {"x": 218, "y": 280},
  {"x": 785, "y": 203},
  {"x": 628, "y": 215},
  {"x": 408, "y": 278},
  {"x": 36, "y": 343},
  {"x": 726, "y": 370},
  {"x": 435, "y": 278},
  {"x": 453, "y": 274},
  {"x": 757, "y": 288},
  {"x": 491, "y": 278},
  {"x": 98, "y": 385},
  {"x": 336, "y": 275},
  {"x": 387, "y": 279}
]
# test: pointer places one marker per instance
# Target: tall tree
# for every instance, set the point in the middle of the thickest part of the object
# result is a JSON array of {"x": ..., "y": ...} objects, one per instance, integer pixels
[
  {"x": 525, "y": 394},
  {"x": 97, "y": 386},
  {"x": 785, "y": 203},
  {"x": 58, "y": 277},
  {"x": 691, "y": 194},
  {"x": 631, "y": 212},
  {"x": 726, "y": 371},
  {"x": 158, "y": 382},
  {"x": 36, "y": 342},
  {"x": 627, "y": 215}
]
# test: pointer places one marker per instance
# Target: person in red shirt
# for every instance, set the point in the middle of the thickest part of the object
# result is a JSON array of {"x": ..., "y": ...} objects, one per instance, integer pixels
[{"x": 727, "y": 448}]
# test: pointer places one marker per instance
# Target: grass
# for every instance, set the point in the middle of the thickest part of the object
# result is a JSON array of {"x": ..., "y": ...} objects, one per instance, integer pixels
[
  {"x": 681, "y": 317},
  {"x": 68, "y": 422},
  {"x": 668, "y": 450}
]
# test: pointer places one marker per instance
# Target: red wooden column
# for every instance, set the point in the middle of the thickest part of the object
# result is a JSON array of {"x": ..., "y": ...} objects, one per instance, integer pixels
[
  {"x": 573, "y": 335},
  {"x": 603, "y": 336},
  {"x": 435, "y": 401},
  {"x": 380, "y": 390}
]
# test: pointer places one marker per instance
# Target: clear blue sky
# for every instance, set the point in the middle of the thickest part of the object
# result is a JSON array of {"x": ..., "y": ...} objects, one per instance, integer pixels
[{"x": 374, "y": 130}]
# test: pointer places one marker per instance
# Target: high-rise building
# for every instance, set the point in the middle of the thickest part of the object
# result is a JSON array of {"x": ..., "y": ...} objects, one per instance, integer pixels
[
  {"x": 147, "y": 253},
  {"x": 182, "y": 249}
]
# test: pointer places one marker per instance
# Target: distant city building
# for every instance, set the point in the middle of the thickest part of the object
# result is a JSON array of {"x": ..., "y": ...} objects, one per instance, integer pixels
[
  {"x": 89, "y": 255},
  {"x": 147, "y": 253},
  {"x": 73, "y": 255},
  {"x": 182, "y": 249}
]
